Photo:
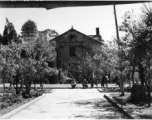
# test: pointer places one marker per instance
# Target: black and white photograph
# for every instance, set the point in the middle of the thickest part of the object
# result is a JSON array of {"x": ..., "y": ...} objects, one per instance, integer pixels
[{"x": 75, "y": 60}]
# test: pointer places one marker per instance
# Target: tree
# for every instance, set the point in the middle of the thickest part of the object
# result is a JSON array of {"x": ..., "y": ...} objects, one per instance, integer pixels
[
  {"x": 1, "y": 38},
  {"x": 74, "y": 70},
  {"x": 138, "y": 43},
  {"x": 29, "y": 31},
  {"x": 89, "y": 63},
  {"x": 9, "y": 33},
  {"x": 8, "y": 63},
  {"x": 45, "y": 47},
  {"x": 108, "y": 59}
]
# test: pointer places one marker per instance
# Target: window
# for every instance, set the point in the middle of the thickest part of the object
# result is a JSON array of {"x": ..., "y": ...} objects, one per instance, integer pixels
[
  {"x": 72, "y": 51},
  {"x": 72, "y": 38}
]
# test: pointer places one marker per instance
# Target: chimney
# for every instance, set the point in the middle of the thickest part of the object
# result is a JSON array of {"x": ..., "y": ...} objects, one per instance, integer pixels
[{"x": 97, "y": 31}]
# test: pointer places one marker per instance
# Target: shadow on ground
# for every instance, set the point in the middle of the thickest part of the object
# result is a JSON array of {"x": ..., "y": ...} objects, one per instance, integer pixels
[
  {"x": 145, "y": 116},
  {"x": 100, "y": 109}
]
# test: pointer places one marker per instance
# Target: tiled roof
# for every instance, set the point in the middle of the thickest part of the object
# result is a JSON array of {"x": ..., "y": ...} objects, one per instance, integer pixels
[{"x": 97, "y": 39}]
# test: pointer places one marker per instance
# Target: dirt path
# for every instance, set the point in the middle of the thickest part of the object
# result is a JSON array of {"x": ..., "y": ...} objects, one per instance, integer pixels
[{"x": 70, "y": 104}]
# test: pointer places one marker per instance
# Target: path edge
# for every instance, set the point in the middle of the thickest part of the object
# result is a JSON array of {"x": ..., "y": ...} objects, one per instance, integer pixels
[
  {"x": 119, "y": 108},
  {"x": 19, "y": 109}
]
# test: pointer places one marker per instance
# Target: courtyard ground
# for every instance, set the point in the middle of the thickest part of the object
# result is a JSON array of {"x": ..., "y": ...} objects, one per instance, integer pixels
[
  {"x": 70, "y": 104},
  {"x": 78, "y": 104}
]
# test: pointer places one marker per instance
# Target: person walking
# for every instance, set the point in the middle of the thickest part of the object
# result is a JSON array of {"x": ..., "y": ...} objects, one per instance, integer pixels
[{"x": 104, "y": 80}]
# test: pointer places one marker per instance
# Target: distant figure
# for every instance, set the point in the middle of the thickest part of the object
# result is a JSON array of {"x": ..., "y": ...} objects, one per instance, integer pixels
[
  {"x": 73, "y": 83},
  {"x": 85, "y": 83},
  {"x": 105, "y": 80},
  {"x": 96, "y": 80}
]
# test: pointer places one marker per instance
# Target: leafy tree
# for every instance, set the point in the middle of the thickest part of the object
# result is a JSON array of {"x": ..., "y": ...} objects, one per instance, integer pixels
[
  {"x": 29, "y": 31},
  {"x": 1, "y": 38},
  {"x": 29, "y": 26},
  {"x": 7, "y": 63},
  {"x": 45, "y": 48},
  {"x": 9, "y": 33},
  {"x": 42, "y": 70},
  {"x": 108, "y": 60},
  {"x": 89, "y": 63},
  {"x": 138, "y": 43},
  {"x": 74, "y": 70}
]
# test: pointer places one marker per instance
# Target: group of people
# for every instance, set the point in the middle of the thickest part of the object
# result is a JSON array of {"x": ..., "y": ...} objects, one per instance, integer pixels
[
  {"x": 104, "y": 82},
  {"x": 84, "y": 84}
]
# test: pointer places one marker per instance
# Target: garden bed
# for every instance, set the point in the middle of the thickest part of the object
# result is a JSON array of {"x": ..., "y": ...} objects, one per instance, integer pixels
[
  {"x": 137, "y": 111},
  {"x": 14, "y": 106},
  {"x": 10, "y": 101}
]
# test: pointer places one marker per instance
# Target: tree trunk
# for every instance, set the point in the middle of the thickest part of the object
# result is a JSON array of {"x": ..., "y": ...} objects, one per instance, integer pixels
[
  {"x": 27, "y": 89},
  {"x": 133, "y": 75},
  {"x": 10, "y": 85},
  {"x": 141, "y": 73},
  {"x": 138, "y": 93},
  {"x": 3, "y": 85},
  {"x": 122, "y": 86},
  {"x": 34, "y": 86},
  {"x": 92, "y": 83},
  {"x": 41, "y": 86},
  {"x": 149, "y": 96},
  {"x": 17, "y": 89}
]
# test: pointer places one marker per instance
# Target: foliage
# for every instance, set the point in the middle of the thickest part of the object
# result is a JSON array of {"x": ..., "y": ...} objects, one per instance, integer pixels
[
  {"x": 74, "y": 70},
  {"x": 1, "y": 38},
  {"x": 9, "y": 34},
  {"x": 45, "y": 48},
  {"x": 22, "y": 71},
  {"x": 62, "y": 76},
  {"x": 87, "y": 63},
  {"x": 107, "y": 60},
  {"x": 137, "y": 43},
  {"x": 29, "y": 26},
  {"x": 8, "y": 100}
]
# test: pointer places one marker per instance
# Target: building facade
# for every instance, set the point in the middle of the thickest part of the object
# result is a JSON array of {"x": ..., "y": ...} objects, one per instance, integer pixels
[{"x": 68, "y": 42}]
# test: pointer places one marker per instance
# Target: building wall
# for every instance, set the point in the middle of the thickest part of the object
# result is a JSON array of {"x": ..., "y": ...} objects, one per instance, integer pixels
[{"x": 63, "y": 45}]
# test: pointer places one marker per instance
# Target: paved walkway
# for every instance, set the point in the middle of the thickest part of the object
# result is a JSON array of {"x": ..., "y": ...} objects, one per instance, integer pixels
[{"x": 70, "y": 104}]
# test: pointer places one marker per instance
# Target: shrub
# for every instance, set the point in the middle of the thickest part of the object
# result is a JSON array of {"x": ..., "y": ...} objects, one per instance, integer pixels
[
  {"x": 34, "y": 94},
  {"x": 18, "y": 99},
  {"x": 4, "y": 97},
  {"x": 25, "y": 95},
  {"x": 4, "y": 105},
  {"x": 9, "y": 102}
]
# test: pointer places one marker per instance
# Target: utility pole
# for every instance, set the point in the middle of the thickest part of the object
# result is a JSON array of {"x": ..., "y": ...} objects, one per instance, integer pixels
[{"x": 117, "y": 32}]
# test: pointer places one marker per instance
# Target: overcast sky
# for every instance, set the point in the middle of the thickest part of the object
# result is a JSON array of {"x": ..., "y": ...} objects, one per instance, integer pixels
[{"x": 83, "y": 19}]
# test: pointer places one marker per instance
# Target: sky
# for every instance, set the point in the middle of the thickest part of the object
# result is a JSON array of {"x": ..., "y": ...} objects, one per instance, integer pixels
[{"x": 83, "y": 19}]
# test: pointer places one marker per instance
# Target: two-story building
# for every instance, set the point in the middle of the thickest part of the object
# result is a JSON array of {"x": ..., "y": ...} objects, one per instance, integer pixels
[{"x": 68, "y": 42}]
